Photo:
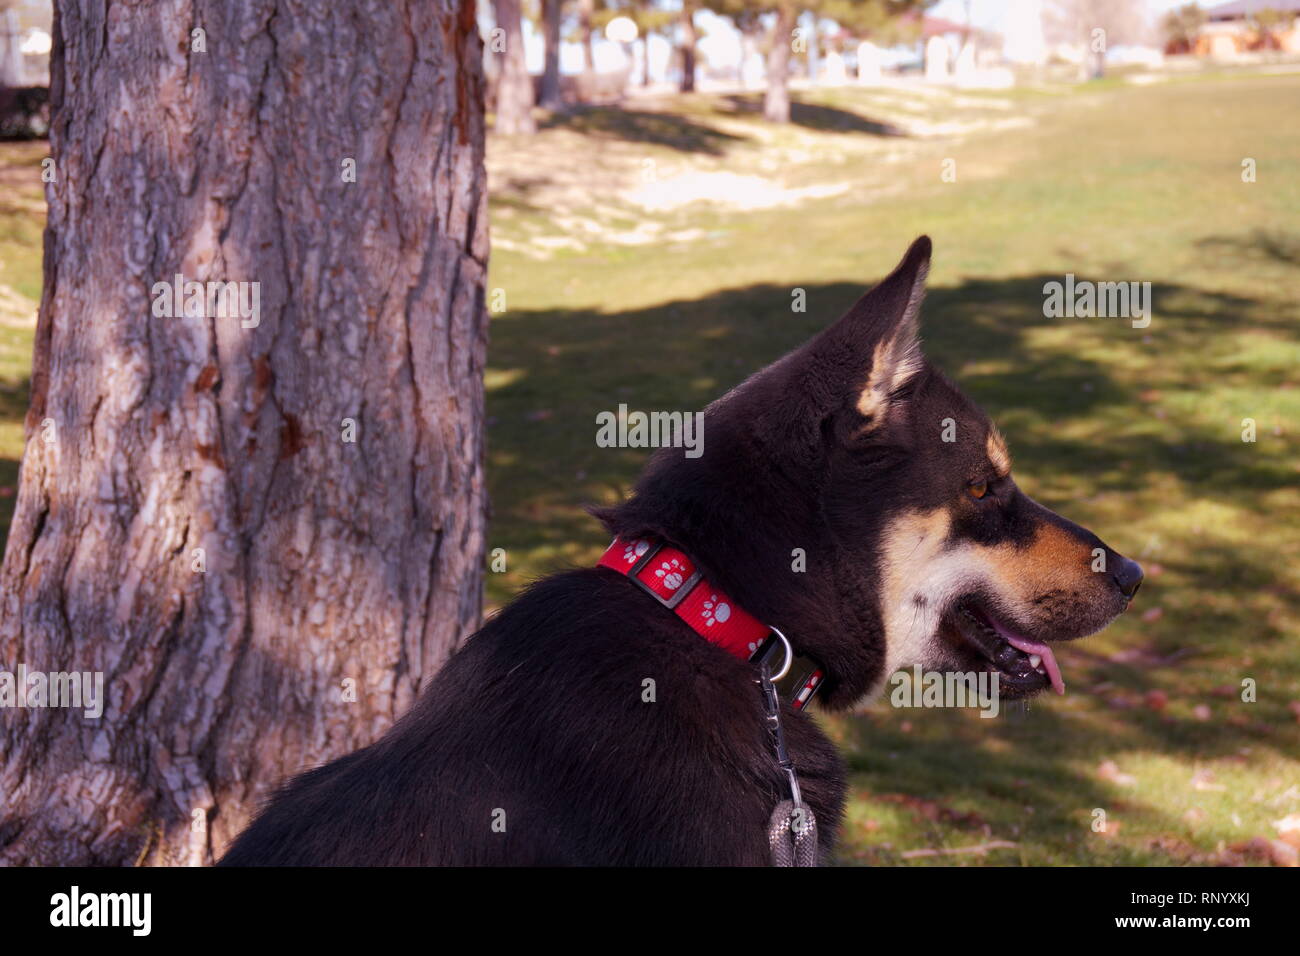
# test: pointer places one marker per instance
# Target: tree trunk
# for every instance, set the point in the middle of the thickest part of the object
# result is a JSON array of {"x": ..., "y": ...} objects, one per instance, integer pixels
[
  {"x": 260, "y": 593},
  {"x": 586, "y": 12},
  {"x": 688, "y": 46},
  {"x": 776, "y": 102},
  {"x": 514, "y": 114},
  {"x": 13, "y": 71},
  {"x": 587, "y": 87},
  {"x": 550, "y": 98}
]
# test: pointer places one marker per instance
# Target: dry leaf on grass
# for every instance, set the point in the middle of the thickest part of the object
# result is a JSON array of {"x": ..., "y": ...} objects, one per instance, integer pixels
[{"x": 1109, "y": 770}]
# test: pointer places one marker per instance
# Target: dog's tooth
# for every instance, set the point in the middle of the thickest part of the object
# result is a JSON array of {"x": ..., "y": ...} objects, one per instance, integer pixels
[{"x": 1034, "y": 661}]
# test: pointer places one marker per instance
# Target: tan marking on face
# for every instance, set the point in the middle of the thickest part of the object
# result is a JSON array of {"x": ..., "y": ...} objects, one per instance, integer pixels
[
  {"x": 996, "y": 446},
  {"x": 1054, "y": 560},
  {"x": 916, "y": 561}
]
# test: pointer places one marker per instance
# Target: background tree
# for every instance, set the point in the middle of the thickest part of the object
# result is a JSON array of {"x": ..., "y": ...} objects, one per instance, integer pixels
[
  {"x": 776, "y": 100},
  {"x": 1181, "y": 27},
  {"x": 885, "y": 22},
  {"x": 855, "y": 15},
  {"x": 587, "y": 35},
  {"x": 689, "y": 37},
  {"x": 1268, "y": 23},
  {"x": 748, "y": 16},
  {"x": 261, "y": 593},
  {"x": 552, "y": 15},
  {"x": 514, "y": 113},
  {"x": 12, "y": 72},
  {"x": 1079, "y": 22}
]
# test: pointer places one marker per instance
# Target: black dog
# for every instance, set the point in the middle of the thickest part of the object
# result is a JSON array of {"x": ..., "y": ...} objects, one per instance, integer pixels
[{"x": 851, "y": 496}]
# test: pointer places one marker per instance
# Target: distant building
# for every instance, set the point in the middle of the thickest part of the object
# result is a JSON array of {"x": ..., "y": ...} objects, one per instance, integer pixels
[{"x": 1234, "y": 28}]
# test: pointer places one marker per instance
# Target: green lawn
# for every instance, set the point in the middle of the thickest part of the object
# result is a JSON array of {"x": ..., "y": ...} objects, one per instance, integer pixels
[
  {"x": 617, "y": 292},
  {"x": 22, "y": 220}
]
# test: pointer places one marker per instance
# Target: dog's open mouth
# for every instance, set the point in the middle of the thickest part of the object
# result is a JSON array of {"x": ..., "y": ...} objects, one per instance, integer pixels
[{"x": 1025, "y": 666}]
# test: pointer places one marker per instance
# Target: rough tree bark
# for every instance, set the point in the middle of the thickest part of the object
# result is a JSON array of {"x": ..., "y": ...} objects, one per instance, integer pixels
[
  {"x": 514, "y": 114},
  {"x": 776, "y": 101},
  {"x": 191, "y": 519},
  {"x": 550, "y": 95}
]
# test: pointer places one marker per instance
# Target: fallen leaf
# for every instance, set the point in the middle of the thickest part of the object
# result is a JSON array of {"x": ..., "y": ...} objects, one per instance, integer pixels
[
  {"x": 1289, "y": 822},
  {"x": 1258, "y": 849},
  {"x": 1109, "y": 770},
  {"x": 1204, "y": 780},
  {"x": 1288, "y": 829},
  {"x": 1283, "y": 854}
]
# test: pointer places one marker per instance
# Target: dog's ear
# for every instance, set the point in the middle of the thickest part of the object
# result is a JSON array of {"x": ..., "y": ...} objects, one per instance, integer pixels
[
  {"x": 880, "y": 334},
  {"x": 892, "y": 311}
]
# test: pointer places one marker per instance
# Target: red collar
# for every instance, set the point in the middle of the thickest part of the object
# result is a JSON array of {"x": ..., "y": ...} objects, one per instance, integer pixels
[{"x": 672, "y": 578}]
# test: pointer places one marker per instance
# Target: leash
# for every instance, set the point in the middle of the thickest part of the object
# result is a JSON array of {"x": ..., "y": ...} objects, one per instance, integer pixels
[
  {"x": 792, "y": 828},
  {"x": 670, "y": 577}
]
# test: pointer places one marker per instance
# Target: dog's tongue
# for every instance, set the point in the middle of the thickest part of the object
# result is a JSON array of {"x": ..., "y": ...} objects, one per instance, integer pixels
[{"x": 1043, "y": 651}]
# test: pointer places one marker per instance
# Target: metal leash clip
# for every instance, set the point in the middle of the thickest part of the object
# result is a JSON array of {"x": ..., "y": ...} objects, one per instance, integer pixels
[{"x": 792, "y": 829}]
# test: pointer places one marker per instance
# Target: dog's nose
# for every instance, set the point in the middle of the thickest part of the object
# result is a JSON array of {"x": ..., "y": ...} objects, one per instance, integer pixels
[{"x": 1128, "y": 577}]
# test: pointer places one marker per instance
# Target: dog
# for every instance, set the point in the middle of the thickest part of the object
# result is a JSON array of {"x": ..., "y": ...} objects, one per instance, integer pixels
[{"x": 852, "y": 497}]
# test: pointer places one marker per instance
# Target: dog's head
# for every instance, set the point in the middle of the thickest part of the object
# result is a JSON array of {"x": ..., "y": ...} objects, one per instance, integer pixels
[{"x": 854, "y": 497}]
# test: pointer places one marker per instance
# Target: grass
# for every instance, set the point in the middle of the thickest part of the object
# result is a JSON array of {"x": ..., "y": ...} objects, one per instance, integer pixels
[
  {"x": 617, "y": 292},
  {"x": 22, "y": 221}
]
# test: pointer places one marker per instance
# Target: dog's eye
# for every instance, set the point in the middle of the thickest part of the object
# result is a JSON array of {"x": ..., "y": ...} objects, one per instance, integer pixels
[{"x": 978, "y": 489}]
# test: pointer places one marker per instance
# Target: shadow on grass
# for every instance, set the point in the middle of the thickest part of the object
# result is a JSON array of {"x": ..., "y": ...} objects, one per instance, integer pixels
[
  {"x": 555, "y": 370},
  {"x": 1275, "y": 246},
  {"x": 639, "y": 126},
  {"x": 560, "y": 368},
  {"x": 517, "y": 192},
  {"x": 1030, "y": 775},
  {"x": 824, "y": 119},
  {"x": 683, "y": 133}
]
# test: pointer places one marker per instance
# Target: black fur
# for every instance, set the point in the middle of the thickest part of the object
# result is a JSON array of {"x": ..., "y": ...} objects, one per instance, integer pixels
[{"x": 541, "y": 715}]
